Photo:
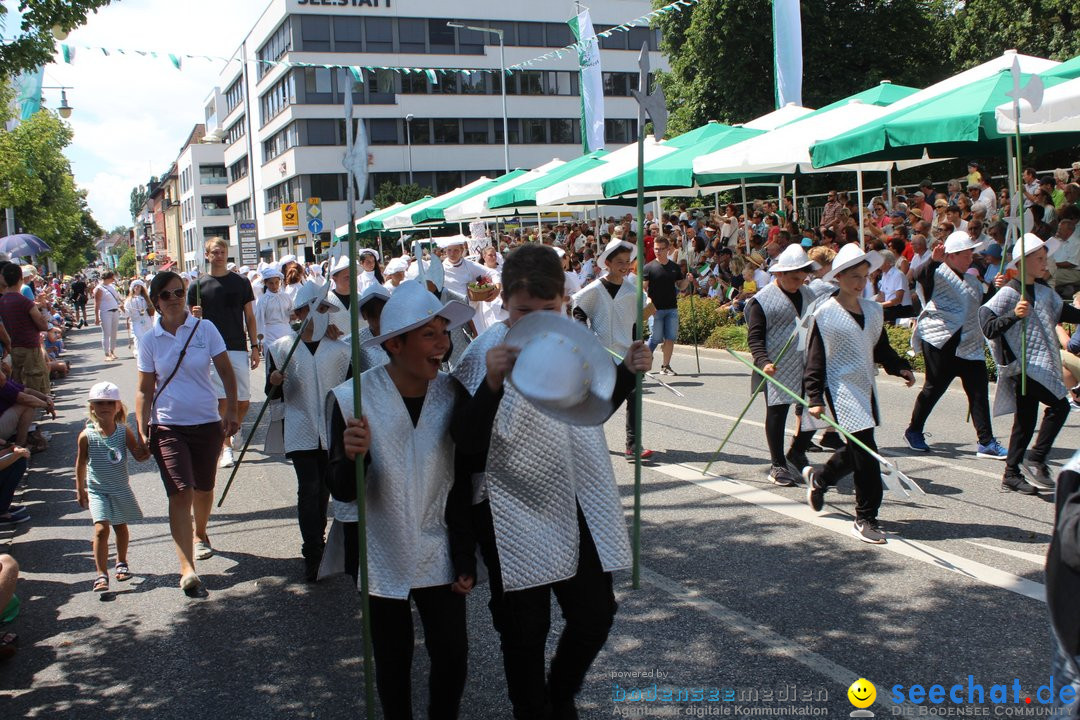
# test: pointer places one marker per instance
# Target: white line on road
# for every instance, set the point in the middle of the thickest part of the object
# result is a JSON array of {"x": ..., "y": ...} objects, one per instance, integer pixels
[
  {"x": 1032, "y": 557},
  {"x": 907, "y": 548}
]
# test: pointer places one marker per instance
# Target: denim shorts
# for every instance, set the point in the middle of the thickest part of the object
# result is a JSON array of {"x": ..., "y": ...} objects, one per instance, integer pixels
[{"x": 665, "y": 326}]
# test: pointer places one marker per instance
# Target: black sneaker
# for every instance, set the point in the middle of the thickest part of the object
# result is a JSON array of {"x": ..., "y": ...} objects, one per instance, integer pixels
[
  {"x": 782, "y": 476},
  {"x": 815, "y": 448},
  {"x": 797, "y": 461},
  {"x": 815, "y": 493},
  {"x": 1038, "y": 474},
  {"x": 868, "y": 532},
  {"x": 1016, "y": 483}
]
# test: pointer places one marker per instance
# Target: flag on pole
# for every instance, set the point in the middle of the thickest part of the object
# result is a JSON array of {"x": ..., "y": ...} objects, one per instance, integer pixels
[
  {"x": 592, "y": 83},
  {"x": 27, "y": 86},
  {"x": 787, "y": 52}
]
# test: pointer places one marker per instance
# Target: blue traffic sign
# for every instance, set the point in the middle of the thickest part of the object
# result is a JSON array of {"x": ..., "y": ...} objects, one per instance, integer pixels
[{"x": 315, "y": 225}]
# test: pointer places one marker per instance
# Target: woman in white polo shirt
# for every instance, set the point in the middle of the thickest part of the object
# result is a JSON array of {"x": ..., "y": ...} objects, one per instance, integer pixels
[{"x": 177, "y": 409}]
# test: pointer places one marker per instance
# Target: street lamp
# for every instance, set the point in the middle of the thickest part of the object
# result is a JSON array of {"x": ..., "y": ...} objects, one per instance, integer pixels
[
  {"x": 408, "y": 140},
  {"x": 502, "y": 81},
  {"x": 64, "y": 109}
]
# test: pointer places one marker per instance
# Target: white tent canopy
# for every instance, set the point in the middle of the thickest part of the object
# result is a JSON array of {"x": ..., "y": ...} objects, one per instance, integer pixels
[
  {"x": 589, "y": 185},
  {"x": 778, "y": 117},
  {"x": 1059, "y": 112},
  {"x": 476, "y": 207},
  {"x": 405, "y": 219}
]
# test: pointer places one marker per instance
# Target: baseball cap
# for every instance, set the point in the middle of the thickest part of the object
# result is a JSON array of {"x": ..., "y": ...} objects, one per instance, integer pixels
[{"x": 104, "y": 391}]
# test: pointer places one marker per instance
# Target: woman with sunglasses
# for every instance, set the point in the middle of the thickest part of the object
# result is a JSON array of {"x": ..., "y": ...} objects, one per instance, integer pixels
[{"x": 177, "y": 410}]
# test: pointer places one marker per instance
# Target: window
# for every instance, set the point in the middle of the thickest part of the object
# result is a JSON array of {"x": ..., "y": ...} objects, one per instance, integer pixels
[
  {"x": 617, "y": 84},
  {"x": 474, "y": 83},
  {"x": 412, "y": 35},
  {"x": 383, "y": 131},
  {"x": 241, "y": 210},
  {"x": 620, "y": 131},
  {"x": 475, "y": 131},
  {"x": 318, "y": 86},
  {"x": 278, "y": 97},
  {"x": 509, "y": 29},
  {"x": 414, "y": 84},
  {"x": 441, "y": 37},
  {"x": 314, "y": 33},
  {"x": 348, "y": 34},
  {"x": 379, "y": 34},
  {"x": 323, "y": 132},
  {"x": 380, "y": 86},
  {"x": 471, "y": 42},
  {"x": 280, "y": 141},
  {"x": 446, "y": 131},
  {"x": 534, "y": 131},
  {"x": 238, "y": 170},
  {"x": 213, "y": 175},
  {"x": 614, "y": 41},
  {"x": 559, "y": 35},
  {"x": 562, "y": 132},
  {"x": 236, "y": 130},
  {"x": 278, "y": 44},
  {"x": 288, "y": 191},
  {"x": 557, "y": 82},
  {"x": 447, "y": 84},
  {"x": 447, "y": 181},
  {"x": 328, "y": 187},
  {"x": 234, "y": 95},
  {"x": 531, "y": 34},
  {"x": 419, "y": 130},
  {"x": 531, "y": 82},
  {"x": 513, "y": 126},
  {"x": 639, "y": 36}
]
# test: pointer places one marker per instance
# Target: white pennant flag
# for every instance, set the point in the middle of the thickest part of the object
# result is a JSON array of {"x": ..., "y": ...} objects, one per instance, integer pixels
[{"x": 592, "y": 83}]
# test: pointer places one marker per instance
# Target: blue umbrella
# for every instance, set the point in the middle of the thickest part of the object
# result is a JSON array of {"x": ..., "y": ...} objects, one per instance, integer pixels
[{"x": 22, "y": 245}]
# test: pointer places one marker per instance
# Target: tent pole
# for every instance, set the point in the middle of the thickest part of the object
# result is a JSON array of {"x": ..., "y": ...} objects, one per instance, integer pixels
[
  {"x": 1017, "y": 200},
  {"x": 888, "y": 188},
  {"x": 862, "y": 209},
  {"x": 746, "y": 218},
  {"x": 716, "y": 201},
  {"x": 794, "y": 197}
]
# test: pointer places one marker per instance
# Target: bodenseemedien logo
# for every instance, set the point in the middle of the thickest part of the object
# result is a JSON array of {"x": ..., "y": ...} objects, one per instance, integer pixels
[{"x": 862, "y": 694}]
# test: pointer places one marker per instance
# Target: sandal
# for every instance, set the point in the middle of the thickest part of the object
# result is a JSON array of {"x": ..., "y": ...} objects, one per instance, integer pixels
[
  {"x": 9, "y": 644},
  {"x": 101, "y": 583},
  {"x": 122, "y": 571}
]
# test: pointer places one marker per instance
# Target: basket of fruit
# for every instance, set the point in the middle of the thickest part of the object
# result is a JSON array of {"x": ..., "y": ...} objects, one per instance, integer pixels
[{"x": 482, "y": 289}]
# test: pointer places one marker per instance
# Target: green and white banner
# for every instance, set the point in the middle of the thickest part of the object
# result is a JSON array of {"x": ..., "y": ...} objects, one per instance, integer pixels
[
  {"x": 787, "y": 51},
  {"x": 592, "y": 83}
]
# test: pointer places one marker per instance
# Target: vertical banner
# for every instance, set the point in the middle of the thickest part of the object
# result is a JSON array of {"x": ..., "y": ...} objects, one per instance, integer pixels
[
  {"x": 592, "y": 83},
  {"x": 27, "y": 88},
  {"x": 787, "y": 52}
]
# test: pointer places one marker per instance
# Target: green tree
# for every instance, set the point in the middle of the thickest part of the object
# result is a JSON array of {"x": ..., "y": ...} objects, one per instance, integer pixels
[
  {"x": 125, "y": 266},
  {"x": 33, "y": 45},
  {"x": 981, "y": 29},
  {"x": 74, "y": 252},
  {"x": 390, "y": 192},
  {"x": 139, "y": 196}
]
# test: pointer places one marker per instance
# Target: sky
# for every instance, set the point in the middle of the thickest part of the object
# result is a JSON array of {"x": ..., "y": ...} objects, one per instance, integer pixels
[{"x": 132, "y": 114}]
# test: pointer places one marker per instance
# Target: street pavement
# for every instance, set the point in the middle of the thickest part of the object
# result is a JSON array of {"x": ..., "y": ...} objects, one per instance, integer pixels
[{"x": 746, "y": 594}]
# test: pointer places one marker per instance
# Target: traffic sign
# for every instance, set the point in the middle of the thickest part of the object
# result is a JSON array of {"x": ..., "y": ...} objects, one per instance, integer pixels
[
  {"x": 315, "y": 226},
  {"x": 314, "y": 207},
  {"x": 249, "y": 243},
  {"x": 290, "y": 218}
]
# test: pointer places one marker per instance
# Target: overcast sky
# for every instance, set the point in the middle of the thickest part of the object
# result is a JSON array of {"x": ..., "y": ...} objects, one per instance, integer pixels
[{"x": 131, "y": 114}]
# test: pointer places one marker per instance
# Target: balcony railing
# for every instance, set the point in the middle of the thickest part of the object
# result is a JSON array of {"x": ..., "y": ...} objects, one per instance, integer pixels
[
  {"x": 216, "y": 211},
  {"x": 213, "y": 180}
]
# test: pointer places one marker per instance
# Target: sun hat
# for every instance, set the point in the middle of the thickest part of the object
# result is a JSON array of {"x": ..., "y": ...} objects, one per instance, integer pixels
[
  {"x": 451, "y": 241},
  {"x": 613, "y": 245},
  {"x": 398, "y": 264},
  {"x": 370, "y": 293},
  {"x": 286, "y": 259},
  {"x": 562, "y": 368},
  {"x": 271, "y": 271},
  {"x": 368, "y": 251},
  {"x": 793, "y": 258},
  {"x": 1032, "y": 243},
  {"x": 411, "y": 306},
  {"x": 308, "y": 293},
  {"x": 341, "y": 262},
  {"x": 104, "y": 391},
  {"x": 960, "y": 241},
  {"x": 849, "y": 256}
]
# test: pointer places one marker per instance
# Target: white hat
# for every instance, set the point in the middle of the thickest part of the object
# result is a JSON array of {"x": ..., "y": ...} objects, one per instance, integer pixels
[
  {"x": 371, "y": 292},
  {"x": 849, "y": 256},
  {"x": 960, "y": 241},
  {"x": 559, "y": 251},
  {"x": 308, "y": 293},
  {"x": 793, "y": 258},
  {"x": 398, "y": 264},
  {"x": 562, "y": 368},
  {"x": 244, "y": 269},
  {"x": 445, "y": 242},
  {"x": 412, "y": 306},
  {"x": 104, "y": 391},
  {"x": 1032, "y": 243},
  {"x": 136, "y": 283},
  {"x": 285, "y": 259},
  {"x": 231, "y": 266},
  {"x": 271, "y": 271},
  {"x": 613, "y": 245},
  {"x": 341, "y": 262},
  {"x": 368, "y": 251}
]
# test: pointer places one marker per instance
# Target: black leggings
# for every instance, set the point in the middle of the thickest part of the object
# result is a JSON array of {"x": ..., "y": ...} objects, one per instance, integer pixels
[
  {"x": 942, "y": 367},
  {"x": 442, "y": 613},
  {"x": 867, "y": 473},
  {"x": 1027, "y": 409},
  {"x": 775, "y": 422},
  {"x": 523, "y": 621},
  {"x": 631, "y": 414},
  {"x": 312, "y": 497}
]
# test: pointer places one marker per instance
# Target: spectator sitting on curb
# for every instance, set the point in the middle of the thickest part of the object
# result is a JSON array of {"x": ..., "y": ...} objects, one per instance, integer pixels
[{"x": 9, "y": 574}]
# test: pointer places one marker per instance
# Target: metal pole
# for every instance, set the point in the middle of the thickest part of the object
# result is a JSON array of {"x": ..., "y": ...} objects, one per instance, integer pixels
[
  {"x": 862, "y": 209},
  {"x": 888, "y": 188},
  {"x": 408, "y": 141},
  {"x": 638, "y": 335},
  {"x": 746, "y": 218},
  {"x": 794, "y": 197},
  {"x": 506, "y": 131}
]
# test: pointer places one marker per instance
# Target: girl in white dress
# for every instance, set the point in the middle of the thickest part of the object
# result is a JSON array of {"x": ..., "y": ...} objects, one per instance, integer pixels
[{"x": 140, "y": 313}]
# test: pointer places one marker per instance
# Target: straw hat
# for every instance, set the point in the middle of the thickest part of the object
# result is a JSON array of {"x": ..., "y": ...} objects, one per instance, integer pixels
[
  {"x": 412, "y": 306},
  {"x": 851, "y": 255},
  {"x": 562, "y": 368}
]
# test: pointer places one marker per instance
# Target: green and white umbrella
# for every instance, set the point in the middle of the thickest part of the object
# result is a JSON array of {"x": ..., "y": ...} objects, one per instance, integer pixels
[
  {"x": 476, "y": 207},
  {"x": 523, "y": 197}
]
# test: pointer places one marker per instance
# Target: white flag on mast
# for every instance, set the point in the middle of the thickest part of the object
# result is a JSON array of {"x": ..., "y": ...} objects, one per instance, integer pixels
[{"x": 592, "y": 83}]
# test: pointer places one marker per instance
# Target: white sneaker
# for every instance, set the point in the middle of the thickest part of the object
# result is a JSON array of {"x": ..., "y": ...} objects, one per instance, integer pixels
[{"x": 226, "y": 458}]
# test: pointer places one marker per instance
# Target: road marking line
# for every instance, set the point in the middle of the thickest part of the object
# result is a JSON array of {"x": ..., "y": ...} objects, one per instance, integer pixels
[
  {"x": 1032, "y": 557},
  {"x": 927, "y": 460},
  {"x": 907, "y": 548}
]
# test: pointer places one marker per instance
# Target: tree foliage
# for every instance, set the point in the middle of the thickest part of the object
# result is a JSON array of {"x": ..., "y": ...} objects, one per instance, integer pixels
[
  {"x": 73, "y": 252},
  {"x": 125, "y": 266},
  {"x": 34, "y": 44},
  {"x": 390, "y": 192},
  {"x": 139, "y": 196},
  {"x": 984, "y": 28}
]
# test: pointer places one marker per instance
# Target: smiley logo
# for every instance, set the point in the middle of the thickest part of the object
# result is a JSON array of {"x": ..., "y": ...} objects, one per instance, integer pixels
[{"x": 862, "y": 693}]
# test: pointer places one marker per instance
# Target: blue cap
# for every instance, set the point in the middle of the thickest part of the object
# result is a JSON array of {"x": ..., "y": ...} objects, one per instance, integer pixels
[
  {"x": 807, "y": 242},
  {"x": 993, "y": 250}
]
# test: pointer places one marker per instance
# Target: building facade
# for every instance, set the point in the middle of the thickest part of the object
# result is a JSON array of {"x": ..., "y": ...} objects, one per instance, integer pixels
[
  {"x": 281, "y": 129},
  {"x": 204, "y": 209}
]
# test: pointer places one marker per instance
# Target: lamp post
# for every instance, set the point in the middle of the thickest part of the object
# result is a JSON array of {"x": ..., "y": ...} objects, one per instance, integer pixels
[
  {"x": 408, "y": 140},
  {"x": 502, "y": 81}
]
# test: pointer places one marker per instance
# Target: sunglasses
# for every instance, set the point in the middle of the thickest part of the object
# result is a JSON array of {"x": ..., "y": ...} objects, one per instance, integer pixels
[{"x": 170, "y": 294}]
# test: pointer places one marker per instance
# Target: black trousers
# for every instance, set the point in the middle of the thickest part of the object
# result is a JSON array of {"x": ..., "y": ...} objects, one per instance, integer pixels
[
  {"x": 350, "y": 533},
  {"x": 312, "y": 497},
  {"x": 631, "y": 414},
  {"x": 942, "y": 367},
  {"x": 442, "y": 613},
  {"x": 523, "y": 621},
  {"x": 1027, "y": 408},
  {"x": 867, "y": 474},
  {"x": 775, "y": 422}
]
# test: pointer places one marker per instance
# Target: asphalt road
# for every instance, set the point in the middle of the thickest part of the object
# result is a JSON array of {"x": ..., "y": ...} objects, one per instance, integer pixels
[{"x": 746, "y": 594}]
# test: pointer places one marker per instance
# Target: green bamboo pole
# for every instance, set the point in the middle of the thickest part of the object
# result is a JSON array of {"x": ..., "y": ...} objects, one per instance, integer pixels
[
  {"x": 693, "y": 320},
  {"x": 639, "y": 333},
  {"x": 1023, "y": 274}
]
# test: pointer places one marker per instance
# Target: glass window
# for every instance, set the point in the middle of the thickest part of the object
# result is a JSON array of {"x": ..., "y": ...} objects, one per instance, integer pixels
[
  {"x": 617, "y": 84},
  {"x": 348, "y": 34},
  {"x": 419, "y": 131},
  {"x": 234, "y": 95},
  {"x": 531, "y": 82},
  {"x": 559, "y": 35},
  {"x": 471, "y": 42},
  {"x": 318, "y": 86},
  {"x": 379, "y": 34},
  {"x": 278, "y": 44},
  {"x": 236, "y": 131},
  {"x": 640, "y": 36},
  {"x": 446, "y": 131},
  {"x": 322, "y": 132},
  {"x": 314, "y": 33},
  {"x": 474, "y": 83},
  {"x": 238, "y": 169},
  {"x": 475, "y": 131},
  {"x": 327, "y": 187},
  {"x": 531, "y": 34},
  {"x": 513, "y": 125},
  {"x": 447, "y": 181},
  {"x": 383, "y": 131},
  {"x": 380, "y": 86},
  {"x": 615, "y": 41},
  {"x": 509, "y": 33},
  {"x": 441, "y": 37},
  {"x": 562, "y": 132},
  {"x": 534, "y": 130},
  {"x": 414, "y": 84},
  {"x": 412, "y": 35},
  {"x": 620, "y": 131},
  {"x": 278, "y": 97},
  {"x": 447, "y": 85},
  {"x": 558, "y": 82}
]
